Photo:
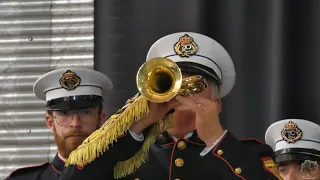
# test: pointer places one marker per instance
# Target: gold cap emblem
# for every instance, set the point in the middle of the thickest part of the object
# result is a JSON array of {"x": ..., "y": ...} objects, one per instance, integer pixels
[
  {"x": 186, "y": 46},
  {"x": 291, "y": 133},
  {"x": 70, "y": 80}
]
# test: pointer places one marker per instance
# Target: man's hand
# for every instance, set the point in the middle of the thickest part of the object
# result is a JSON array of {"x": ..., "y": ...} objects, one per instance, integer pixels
[{"x": 207, "y": 117}]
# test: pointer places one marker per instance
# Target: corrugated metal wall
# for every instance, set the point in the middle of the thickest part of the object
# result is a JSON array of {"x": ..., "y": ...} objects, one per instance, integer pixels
[{"x": 36, "y": 36}]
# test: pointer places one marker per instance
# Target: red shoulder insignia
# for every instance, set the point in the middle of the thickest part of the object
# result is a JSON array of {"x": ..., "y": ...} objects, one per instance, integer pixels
[
  {"x": 28, "y": 169},
  {"x": 251, "y": 141}
]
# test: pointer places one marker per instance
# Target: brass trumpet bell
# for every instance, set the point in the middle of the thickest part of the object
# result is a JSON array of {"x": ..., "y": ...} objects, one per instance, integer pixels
[{"x": 160, "y": 80}]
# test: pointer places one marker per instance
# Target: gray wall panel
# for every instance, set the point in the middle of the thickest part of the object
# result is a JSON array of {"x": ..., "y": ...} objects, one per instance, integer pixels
[{"x": 36, "y": 37}]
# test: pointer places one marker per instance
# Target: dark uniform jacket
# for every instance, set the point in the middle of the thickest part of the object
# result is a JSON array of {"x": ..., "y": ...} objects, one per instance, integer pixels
[
  {"x": 48, "y": 171},
  {"x": 231, "y": 159},
  {"x": 52, "y": 171}
]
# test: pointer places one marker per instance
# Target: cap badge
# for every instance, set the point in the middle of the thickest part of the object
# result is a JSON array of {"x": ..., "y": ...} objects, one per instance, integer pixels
[
  {"x": 291, "y": 133},
  {"x": 69, "y": 80},
  {"x": 186, "y": 46}
]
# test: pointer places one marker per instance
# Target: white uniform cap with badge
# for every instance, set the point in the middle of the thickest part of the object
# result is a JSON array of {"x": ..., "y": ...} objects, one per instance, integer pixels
[
  {"x": 294, "y": 140},
  {"x": 72, "y": 88},
  {"x": 197, "y": 52}
]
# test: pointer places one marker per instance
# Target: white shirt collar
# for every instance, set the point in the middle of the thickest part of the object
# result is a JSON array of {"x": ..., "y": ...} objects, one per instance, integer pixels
[
  {"x": 185, "y": 137},
  {"x": 63, "y": 159}
]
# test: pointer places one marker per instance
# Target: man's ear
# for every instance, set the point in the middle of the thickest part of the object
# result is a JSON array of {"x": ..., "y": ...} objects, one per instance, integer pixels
[
  {"x": 219, "y": 104},
  {"x": 102, "y": 118},
  {"x": 49, "y": 121}
]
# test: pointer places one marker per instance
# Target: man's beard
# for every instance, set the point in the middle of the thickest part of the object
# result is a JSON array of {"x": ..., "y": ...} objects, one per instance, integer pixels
[{"x": 65, "y": 145}]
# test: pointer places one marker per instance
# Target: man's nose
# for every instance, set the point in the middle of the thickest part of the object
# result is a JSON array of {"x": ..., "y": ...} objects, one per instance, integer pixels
[
  {"x": 291, "y": 176},
  {"x": 75, "y": 121}
]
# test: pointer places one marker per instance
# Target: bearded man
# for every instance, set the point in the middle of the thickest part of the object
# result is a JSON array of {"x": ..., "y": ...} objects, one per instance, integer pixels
[{"x": 74, "y": 99}]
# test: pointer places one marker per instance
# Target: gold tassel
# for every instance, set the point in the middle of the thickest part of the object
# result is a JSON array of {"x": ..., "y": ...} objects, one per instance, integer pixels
[
  {"x": 100, "y": 140},
  {"x": 127, "y": 167}
]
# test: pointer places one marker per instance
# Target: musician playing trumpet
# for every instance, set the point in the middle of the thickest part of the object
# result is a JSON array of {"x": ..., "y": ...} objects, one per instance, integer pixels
[{"x": 195, "y": 146}]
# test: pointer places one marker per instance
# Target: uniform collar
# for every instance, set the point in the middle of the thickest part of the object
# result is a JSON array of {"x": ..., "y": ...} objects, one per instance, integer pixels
[
  {"x": 165, "y": 138},
  {"x": 58, "y": 163},
  {"x": 185, "y": 137}
]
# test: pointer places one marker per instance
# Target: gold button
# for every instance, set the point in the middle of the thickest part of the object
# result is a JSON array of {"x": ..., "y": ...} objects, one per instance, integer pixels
[
  {"x": 179, "y": 162},
  {"x": 181, "y": 145},
  {"x": 220, "y": 152},
  {"x": 136, "y": 179},
  {"x": 176, "y": 179},
  {"x": 238, "y": 170}
]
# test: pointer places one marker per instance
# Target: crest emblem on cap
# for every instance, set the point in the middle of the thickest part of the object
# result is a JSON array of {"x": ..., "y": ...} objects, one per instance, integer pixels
[
  {"x": 291, "y": 133},
  {"x": 186, "y": 46},
  {"x": 69, "y": 80}
]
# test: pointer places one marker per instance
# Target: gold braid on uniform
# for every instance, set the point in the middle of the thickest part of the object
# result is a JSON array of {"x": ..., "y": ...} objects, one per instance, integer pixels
[{"x": 100, "y": 140}]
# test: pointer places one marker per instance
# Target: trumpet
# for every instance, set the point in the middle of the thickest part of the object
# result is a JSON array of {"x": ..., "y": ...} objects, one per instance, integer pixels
[{"x": 160, "y": 79}]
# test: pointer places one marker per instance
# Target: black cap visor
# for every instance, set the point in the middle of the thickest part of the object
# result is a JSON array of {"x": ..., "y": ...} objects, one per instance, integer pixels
[
  {"x": 73, "y": 102},
  {"x": 296, "y": 154}
]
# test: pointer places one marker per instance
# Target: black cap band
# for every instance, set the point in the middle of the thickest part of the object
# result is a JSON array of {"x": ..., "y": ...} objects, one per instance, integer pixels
[
  {"x": 73, "y": 102},
  {"x": 195, "y": 68},
  {"x": 296, "y": 154},
  {"x": 202, "y": 68}
]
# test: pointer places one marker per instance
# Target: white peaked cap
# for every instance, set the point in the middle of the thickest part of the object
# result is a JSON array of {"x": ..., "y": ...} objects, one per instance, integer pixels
[
  {"x": 202, "y": 51},
  {"x": 294, "y": 136},
  {"x": 68, "y": 83}
]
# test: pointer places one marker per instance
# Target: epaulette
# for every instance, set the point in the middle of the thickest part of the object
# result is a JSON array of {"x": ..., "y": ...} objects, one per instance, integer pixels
[
  {"x": 251, "y": 141},
  {"x": 26, "y": 170}
]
